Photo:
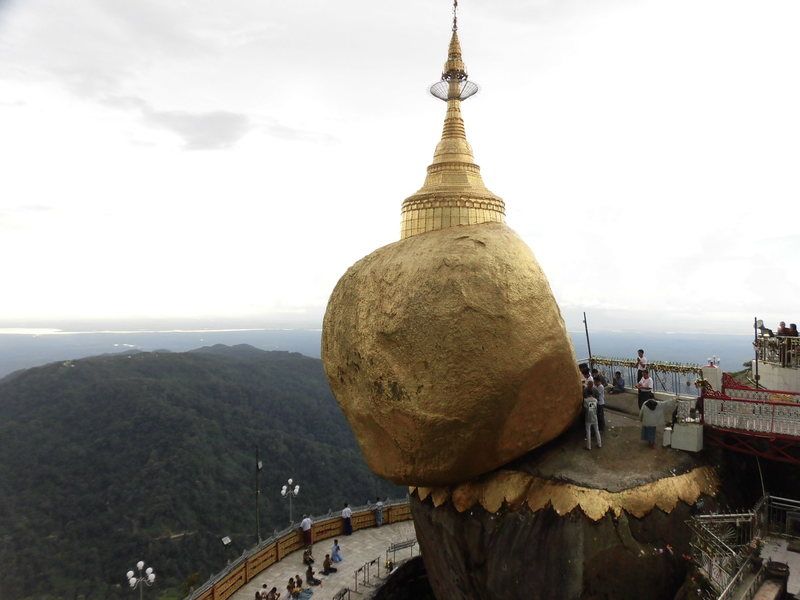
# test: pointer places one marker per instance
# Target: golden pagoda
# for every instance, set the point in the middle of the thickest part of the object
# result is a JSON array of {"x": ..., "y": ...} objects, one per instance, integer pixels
[
  {"x": 446, "y": 350},
  {"x": 453, "y": 192}
]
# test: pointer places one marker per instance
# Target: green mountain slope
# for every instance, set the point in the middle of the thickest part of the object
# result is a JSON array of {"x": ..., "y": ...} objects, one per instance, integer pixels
[{"x": 112, "y": 459}]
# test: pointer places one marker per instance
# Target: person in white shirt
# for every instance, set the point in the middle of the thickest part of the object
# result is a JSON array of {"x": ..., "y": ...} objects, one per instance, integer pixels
[
  {"x": 585, "y": 375},
  {"x": 347, "y": 518},
  {"x": 378, "y": 512},
  {"x": 645, "y": 387},
  {"x": 305, "y": 525},
  {"x": 641, "y": 364},
  {"x": 601, "y": 402}
]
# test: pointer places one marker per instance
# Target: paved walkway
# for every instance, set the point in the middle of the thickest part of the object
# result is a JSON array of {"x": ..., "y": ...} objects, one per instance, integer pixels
[{"x": 363, "y": 546}]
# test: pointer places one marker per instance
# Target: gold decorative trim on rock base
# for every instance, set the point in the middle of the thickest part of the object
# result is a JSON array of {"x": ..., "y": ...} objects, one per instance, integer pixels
[{"x": 515, "y": 488}]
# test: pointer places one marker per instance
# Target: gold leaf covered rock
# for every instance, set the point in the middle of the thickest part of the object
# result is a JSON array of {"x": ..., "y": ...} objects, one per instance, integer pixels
[{"x": 448, "y": 355}]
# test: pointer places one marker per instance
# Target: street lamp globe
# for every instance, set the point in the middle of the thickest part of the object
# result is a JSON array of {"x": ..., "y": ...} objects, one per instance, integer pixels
[
  {"x": 290, "y": 481},
  {"x": 145, "y": 577},
  {"x": 283, "y": 491},
  {"x": 296, "y": 490}
]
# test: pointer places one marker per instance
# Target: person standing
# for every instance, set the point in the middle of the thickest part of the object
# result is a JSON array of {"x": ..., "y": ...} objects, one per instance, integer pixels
[
  {"x": 378, "y": 512},
  {"x": 645, "y": 387},
  {"x": 650, "y": 416},
  {"x": 641, "y": 364},
  {"x": 305, "y": 525},
  {"x": 347, "y": 517},
  {"x": 585, "y": 374},
  {"x": 599, "y": 385},
  {"x": 590, "y": 418}
]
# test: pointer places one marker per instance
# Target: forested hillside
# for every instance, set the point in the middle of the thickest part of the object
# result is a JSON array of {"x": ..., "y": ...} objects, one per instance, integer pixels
[{"x": 112, "y": 459}]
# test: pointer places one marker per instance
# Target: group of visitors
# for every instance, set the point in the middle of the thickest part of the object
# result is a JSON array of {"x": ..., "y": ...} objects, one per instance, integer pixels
[
  {"x": 295, "y": 588},
  {"x": 594, "y": 390},
  {"x": 790, "y": 331}
]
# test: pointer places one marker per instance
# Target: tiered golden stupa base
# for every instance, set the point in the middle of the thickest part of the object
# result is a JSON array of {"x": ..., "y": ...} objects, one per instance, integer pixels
[{"x": 565, "y": 523}]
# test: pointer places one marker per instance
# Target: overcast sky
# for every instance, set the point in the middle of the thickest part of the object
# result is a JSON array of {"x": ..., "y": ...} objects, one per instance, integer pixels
[{"x": 231, "y": 159}]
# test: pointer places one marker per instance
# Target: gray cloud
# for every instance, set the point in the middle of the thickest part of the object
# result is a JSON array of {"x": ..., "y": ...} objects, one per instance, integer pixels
[
  {"x": 201, "y": 130},
  {"x": 211, "y": 130},
  {"x": 284, "y": 132},
  {"x": 206, "y": 130}
]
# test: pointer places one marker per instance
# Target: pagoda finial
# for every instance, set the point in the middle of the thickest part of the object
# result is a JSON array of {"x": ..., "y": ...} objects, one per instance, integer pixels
[{"x": 453, "y": 192}]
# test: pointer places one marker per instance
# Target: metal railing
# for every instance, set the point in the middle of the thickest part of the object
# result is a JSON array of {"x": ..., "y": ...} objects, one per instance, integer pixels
[
  {"x": 677, "y": 379},
  {"x": 226, "y": 582},
  {"x": 716, "y": 546},
  {"x": 781, "y": 517},
  {"x": 342, "y": 594},
  {"x": 733, "y": 590},
  {"x": 778, "y": 350},
  {"x": 394, "y": 548},
  {"x": 366, "y": 573},
  {"x": 371, "y": 569},
  {"x": 781, "y": 418},
  {"x": 724, "y": 545}
]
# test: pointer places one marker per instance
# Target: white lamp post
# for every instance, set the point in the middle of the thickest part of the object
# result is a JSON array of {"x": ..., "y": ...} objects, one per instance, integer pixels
[
  {"x": 146, "y": 577},
  {"x": 290, "y": 492}
]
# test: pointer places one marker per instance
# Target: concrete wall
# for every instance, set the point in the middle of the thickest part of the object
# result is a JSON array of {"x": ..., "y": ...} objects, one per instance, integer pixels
[{"x": 774, "y": 377}]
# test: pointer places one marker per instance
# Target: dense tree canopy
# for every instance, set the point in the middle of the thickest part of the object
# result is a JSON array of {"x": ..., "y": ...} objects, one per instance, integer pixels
[{"x": 112, "y": 459}]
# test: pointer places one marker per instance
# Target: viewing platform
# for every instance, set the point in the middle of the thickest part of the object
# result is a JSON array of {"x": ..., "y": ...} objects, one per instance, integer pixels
[
  {"x": 358, "y": 549},
  {"x": 280, "y": 557}
]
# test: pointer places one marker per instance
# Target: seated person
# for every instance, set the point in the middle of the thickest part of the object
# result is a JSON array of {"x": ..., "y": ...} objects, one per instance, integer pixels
[
  {"x": 297, "y": 591},
  {"x": 617, "y": 384},
  {"x": 310, "y": 577},
  {"x": 336, "y": 552},
  {"x": 327, "y": 569},
  {"x": 308, "y": 559}
]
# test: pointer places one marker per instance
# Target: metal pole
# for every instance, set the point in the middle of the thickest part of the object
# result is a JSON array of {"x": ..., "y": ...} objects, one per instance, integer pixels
[
  {"x": 755, "y": 347},
  {"x": 258, "y": 497},
  {"x": 290, "y": 508},
  {"x": 588, "y": 344}
]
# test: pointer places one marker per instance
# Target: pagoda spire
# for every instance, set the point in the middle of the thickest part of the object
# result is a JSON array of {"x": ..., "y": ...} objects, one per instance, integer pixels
[{"x": 453, "y": 193}]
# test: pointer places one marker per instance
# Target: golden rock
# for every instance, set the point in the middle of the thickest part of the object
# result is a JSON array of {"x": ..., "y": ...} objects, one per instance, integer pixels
[
  {"x": 446, "y": 350},
  {"x": 448, "y": 355}
]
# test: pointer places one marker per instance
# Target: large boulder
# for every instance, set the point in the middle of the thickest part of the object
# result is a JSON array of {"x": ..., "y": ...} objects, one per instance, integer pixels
[{"x": 448, "y": 355}]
